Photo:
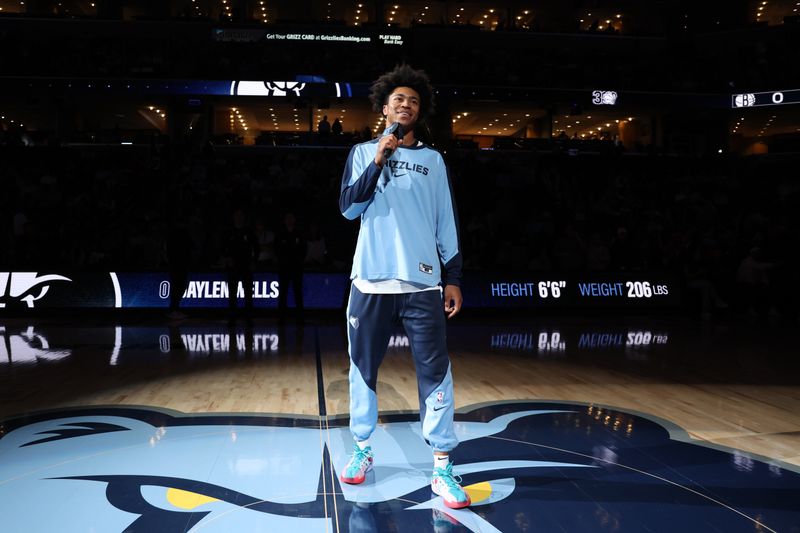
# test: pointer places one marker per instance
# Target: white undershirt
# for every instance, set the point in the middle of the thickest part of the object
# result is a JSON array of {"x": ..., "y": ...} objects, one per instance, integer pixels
[{"x": 390, "y": 286}]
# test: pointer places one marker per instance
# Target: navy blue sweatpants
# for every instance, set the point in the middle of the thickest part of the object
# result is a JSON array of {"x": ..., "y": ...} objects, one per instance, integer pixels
[{"x": 371, "y": 319}]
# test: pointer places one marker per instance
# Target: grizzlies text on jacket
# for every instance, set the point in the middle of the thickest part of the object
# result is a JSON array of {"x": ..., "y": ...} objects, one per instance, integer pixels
[{"x": 408, "y": 218}]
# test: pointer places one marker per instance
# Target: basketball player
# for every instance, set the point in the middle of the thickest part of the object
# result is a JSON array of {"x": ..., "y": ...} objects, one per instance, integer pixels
[{"x": 400, "y": 189}]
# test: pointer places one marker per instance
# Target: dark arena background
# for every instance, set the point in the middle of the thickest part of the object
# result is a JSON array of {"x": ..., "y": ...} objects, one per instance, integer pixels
[{"x": 627, "y": 182}]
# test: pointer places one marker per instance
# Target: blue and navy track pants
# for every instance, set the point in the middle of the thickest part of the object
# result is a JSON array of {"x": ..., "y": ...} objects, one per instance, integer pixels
[{"x": 371, "y": 319}]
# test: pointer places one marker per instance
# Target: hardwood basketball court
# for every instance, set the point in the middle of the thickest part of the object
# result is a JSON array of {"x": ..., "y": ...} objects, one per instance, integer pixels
[{"x": 732, "y": 388}]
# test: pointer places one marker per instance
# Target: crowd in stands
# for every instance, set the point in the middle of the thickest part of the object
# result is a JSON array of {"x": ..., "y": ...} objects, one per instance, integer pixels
[{"x": 727, "y": 227}]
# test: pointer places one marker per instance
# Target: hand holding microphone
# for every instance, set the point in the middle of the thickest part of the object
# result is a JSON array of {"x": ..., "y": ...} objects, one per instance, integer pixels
[{"x": 392, "y": 138}]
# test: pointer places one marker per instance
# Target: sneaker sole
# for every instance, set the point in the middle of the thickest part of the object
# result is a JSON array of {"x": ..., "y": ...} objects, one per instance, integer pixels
[
  {"x": 355, "y": 480},
  {"x": 453, "y": 505},
  {"x": 457, "y": 505}
]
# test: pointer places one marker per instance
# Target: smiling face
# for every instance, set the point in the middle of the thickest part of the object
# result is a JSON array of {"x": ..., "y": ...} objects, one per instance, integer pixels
[{"x": 403, "y": 106}]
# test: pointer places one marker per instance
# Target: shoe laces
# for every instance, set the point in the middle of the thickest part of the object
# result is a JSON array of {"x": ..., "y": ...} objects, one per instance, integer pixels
[
  {"x": 361, "y": 456},
  {"x": 446, "y": 474}
]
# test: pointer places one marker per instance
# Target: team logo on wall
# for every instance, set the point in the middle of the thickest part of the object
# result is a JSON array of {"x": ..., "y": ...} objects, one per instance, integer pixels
[
  {"x": 527, "y": 466},
  {"x": 604, "y": 97},
  {"x": 744, "y": 100},
  {"x": 266, "y": 88},
  {"x": 25, "y": 287},
  {"x": 35, "y": 290}
]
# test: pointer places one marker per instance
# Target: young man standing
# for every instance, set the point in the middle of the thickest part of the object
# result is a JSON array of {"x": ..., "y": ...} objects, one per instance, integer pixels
[{"x": 407, "y": 255}]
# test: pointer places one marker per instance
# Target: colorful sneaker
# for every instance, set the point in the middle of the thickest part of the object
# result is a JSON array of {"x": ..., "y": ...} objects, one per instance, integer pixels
[
  {"x": 357, "y": 467},
  {"x": 447, "y": 486}
]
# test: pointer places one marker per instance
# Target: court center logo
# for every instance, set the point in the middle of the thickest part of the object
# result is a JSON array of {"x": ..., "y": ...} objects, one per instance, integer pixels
[
  {"x": 565, "y": 467},
  {"x": 164, "y": 473}
]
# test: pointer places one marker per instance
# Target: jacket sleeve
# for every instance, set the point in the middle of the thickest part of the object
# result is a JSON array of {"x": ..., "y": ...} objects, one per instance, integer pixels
[
  {"x": 358, "y": 185},
  {"x": 447, "y": 232}
]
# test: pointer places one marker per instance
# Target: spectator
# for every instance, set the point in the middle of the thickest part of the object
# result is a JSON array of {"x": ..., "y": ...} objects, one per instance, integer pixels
[
  {"x": 179, "y": 253},
  {"x": 316, "y": 252},
  {"x": 290, "y": 247},
  {"x": 324, "y": 127},
  {"x": 753, "y": 280},
  {"x": 241, "y": 251}
]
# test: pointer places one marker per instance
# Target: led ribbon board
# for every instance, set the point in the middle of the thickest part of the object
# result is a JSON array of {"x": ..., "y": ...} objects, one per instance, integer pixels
[
  {"x": 308, "y": 35},
  {"x": 768, "y": 98},
  {"x": 152, "y": 290}
]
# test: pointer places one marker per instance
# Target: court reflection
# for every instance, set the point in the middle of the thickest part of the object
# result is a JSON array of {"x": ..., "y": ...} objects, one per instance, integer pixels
[
  {"x": 206, "y": 342},
  {"x": 558, "y": 342},
  {"x": 196, "y": 366},
  {"x": 32, "y": 344},
  {"x": 27, "y": 346}
]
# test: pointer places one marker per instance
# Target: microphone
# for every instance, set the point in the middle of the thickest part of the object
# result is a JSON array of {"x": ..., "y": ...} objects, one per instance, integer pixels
[{"x": 395, "y": 129}]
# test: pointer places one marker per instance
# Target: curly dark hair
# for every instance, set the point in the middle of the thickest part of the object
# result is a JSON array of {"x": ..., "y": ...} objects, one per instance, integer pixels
[{"x": 403, "y": 76}]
